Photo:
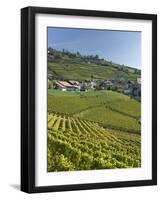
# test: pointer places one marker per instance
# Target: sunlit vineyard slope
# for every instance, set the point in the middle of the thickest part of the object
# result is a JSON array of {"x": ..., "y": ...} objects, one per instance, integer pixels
[{"x": 77, "y": 144}]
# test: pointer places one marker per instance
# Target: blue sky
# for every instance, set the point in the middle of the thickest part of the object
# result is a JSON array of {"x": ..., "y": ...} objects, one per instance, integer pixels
[{"x": 121, "y": 47}]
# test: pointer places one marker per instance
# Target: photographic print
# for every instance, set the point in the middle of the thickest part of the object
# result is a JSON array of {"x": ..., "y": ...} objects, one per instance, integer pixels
[
  {"x": 94, "y": 99},
  {"x": 88, "y": 99}
]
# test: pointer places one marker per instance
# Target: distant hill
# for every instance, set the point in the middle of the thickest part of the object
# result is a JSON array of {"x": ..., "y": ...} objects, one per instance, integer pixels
[{"x": 67, "y": 65}]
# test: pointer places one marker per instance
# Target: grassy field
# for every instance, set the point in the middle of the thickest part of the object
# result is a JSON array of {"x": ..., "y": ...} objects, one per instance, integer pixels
[
  {"x": 75, "y": 144},
  {"x": 67, "y": 69},
  {"x": 80, "y": 71},
  {"x": 111, "y": 119},
  {"x": 92, "y": 130},
  {"x": 108, "y": 108}
]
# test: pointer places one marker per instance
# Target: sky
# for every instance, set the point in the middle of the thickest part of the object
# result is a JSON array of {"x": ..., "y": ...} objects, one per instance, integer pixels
[{"x": 120, "y": 47}]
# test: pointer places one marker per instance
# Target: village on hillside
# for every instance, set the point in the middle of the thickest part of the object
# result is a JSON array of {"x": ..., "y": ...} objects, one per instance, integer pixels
[
  {"x": 119, "y": 83},
  {"x": 131, "y": 88}
]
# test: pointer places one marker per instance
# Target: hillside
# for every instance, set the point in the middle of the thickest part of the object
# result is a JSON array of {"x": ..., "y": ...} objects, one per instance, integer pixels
[
  {"x": 92, "y": 127},
  {"x": 67, "y": 65},
  {"x": 75, "y": 144},
  {"x": 109, "y": 109}
]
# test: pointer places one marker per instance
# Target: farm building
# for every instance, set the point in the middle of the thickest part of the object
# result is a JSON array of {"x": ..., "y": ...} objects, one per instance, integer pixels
[
  {"x": 75, "y": 83},
  {"x": 67, "y": 85}
]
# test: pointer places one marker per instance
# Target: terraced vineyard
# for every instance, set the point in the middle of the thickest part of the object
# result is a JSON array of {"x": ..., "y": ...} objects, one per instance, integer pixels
[
  {"x": 77, "y": 144},
  {"x": 111, "y": 109}
]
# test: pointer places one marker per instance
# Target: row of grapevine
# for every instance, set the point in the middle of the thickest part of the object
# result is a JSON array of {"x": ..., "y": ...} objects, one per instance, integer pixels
[{"x": 75, "y": 144}]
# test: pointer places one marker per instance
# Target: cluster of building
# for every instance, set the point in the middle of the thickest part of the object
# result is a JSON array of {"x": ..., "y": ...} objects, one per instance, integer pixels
[{"x": 129, "y": 87}]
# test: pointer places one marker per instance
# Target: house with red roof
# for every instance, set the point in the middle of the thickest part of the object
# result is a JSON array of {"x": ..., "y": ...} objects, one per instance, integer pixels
[{"x": 67, "y": 85}]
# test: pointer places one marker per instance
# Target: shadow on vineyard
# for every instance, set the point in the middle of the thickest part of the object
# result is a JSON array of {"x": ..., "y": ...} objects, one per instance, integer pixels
[{"x": 77, "y": 144}]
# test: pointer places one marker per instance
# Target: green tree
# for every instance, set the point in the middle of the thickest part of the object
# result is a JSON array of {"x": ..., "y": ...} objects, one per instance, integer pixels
[{"x": 50, "y": 84}]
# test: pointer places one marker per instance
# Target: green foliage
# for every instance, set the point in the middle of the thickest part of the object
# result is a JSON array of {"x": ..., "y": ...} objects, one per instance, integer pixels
[
  {"x": 111, "y": 119},
  {"x": 49, "y": 84},
  {"x": 67, "y": 65},
  {"x": 80, "y": 71},
  {"x": 114, "y": 110},
  {"x": 128, "y": 107},
  {"x": 84, "y": 145}
]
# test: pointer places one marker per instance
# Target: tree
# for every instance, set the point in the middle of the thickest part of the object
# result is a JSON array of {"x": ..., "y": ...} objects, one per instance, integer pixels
[
  {"x": 96, "y": 56},
  {"x": 49, "y": 84},
  {"x": 78, "y": 54},
  {"x": 58, "y": 56},
  {"x": 51, "y": 51}
]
